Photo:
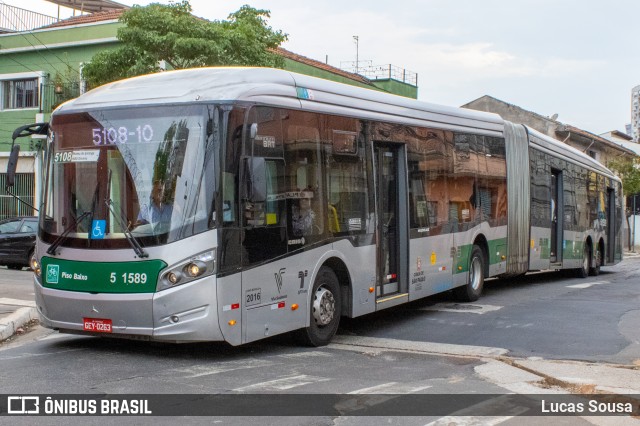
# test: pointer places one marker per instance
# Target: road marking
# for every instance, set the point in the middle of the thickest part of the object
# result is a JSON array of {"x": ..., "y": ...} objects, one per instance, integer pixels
[
  {"x": 463, "y": 308},
  {"x": 391, "y": 388},
  {"x": 17, "y": 302},
  {"x": 377, "y": 344},
  {"x": 285, "y": 383},
  {"x": 306, "y": 354},
  {"x": 208, "y": 370},
  {"x": 469, "y": 421},
  {"x": 587, "y": 285},
  {"x": 472, "y": 416}
]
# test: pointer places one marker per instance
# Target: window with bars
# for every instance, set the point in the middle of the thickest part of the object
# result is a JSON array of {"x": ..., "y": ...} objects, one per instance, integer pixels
[
  {"x": 24, "y": 189},
  {"x": 18, "y": 94}
]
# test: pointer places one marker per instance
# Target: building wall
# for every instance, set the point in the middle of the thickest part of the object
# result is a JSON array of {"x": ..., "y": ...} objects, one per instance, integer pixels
[{"x": 635, "y": 114}]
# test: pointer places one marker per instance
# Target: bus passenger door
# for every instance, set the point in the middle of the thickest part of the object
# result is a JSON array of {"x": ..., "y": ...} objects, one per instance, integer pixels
[
  {"x": 392, "y": 226},
  {"x": 610, "y": 227},
  {"x": 557, "y": 215}
]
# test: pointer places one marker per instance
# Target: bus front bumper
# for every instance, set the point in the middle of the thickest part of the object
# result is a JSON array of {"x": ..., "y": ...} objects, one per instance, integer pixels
[{"x": 187, "y": 313}]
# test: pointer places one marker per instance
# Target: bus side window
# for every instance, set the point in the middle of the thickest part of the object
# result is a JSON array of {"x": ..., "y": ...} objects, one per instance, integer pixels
[{"x": 347, "y": 197}]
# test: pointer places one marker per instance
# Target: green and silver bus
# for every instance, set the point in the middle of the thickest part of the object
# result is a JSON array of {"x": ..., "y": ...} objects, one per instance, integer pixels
[{"x": 232, "y": 204}]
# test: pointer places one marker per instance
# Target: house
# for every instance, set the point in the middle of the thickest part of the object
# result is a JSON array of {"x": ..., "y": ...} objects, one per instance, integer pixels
[
  {"x": 597, "y": 147},
  {"x": 41, "y": 67}
]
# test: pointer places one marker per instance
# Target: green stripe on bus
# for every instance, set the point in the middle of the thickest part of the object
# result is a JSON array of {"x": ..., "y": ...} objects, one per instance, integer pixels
[
  {"x": 497, "y": 249},
  {"x": 101, "y": 277}
]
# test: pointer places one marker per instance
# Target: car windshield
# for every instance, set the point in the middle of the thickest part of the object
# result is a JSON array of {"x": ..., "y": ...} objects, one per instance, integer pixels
[{"x": 136, "y": 171}]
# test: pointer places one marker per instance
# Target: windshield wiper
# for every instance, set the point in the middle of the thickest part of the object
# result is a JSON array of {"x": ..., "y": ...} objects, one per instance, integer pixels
[
  {"x": 122, "y": 221},
  {"x": 52, "y": 249}
]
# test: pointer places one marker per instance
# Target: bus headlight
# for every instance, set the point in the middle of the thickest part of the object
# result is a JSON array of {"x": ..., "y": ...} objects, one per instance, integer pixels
[
  {"x": 195, "y": 267},
  {"x": 35, "y": 265}
]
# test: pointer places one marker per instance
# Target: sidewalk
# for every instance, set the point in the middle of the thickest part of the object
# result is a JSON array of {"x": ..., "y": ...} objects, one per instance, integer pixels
[{"x": 14, "y": 314}]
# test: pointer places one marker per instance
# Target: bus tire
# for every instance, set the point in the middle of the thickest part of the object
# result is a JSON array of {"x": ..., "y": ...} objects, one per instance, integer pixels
[
  {"x": 325, "y": 309},
  {"x": 583, "y": 271},
  {"x": 471, "y": 291},
  {"x": 595, "y": 270}
]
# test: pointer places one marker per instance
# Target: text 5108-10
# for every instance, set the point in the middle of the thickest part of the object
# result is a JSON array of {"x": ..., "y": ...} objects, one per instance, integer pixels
[
  {"x": 121, "y": 135},
  {"x": 128, "y": 278}
]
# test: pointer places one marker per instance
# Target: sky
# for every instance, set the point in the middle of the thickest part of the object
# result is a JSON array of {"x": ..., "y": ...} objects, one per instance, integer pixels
[{"x": 579, "y": 59}]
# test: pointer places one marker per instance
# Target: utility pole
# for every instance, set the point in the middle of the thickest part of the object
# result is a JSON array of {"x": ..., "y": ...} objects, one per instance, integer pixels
[{"x": 355, "y": 38}]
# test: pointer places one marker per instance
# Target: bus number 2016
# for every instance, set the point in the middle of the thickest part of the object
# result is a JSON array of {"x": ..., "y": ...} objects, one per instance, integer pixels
[{"x": 129, "y": 278}]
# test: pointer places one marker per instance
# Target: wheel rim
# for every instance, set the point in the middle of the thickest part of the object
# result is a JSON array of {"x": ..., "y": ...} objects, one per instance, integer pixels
[
  {"x": 475, "y": 273},
  {"x": 324, "y": 306}
]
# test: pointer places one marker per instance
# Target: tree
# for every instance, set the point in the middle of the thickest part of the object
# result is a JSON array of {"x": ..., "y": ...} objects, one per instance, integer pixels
[
  {"x": 629, "y": 171},
  {"x": 170, "y": 33}
]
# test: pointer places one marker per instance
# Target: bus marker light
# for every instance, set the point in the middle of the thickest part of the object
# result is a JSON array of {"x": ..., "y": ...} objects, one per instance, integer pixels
[
  {"x": 173, "y": 277},
  {"x": 232, "y": 322},
  {"x": 294, "y": 307},
  {"x": 459, "y": 268},
  {"x": 371, "y": 289}
]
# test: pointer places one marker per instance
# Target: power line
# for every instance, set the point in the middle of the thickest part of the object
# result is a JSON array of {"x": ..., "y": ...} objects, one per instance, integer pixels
[{"x": 22, "y": 33}]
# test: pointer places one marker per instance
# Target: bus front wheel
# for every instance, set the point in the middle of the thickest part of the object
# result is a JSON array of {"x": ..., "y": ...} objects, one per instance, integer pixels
[
  {"x": 472, "y": 290},
  {"x": 326, "y": 308}
]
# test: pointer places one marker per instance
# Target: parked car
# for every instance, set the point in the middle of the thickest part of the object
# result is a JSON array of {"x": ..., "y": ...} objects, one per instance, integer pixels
[{"x": 17, "y": 241}]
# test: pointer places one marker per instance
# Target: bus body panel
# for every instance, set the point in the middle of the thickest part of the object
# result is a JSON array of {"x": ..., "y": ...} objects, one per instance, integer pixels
[
  {"x": 540, "y": 246},
  {"x": 184, "y": 313},
  {"x": 430, "y": 265},
  {"x": 130, "y": 313},
  {"x": 360, "y": 261},
  {"x": 230, "y": 305}
]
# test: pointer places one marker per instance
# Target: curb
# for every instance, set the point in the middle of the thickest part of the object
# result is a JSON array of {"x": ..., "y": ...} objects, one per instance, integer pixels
[{"x": 10, "y": 323}]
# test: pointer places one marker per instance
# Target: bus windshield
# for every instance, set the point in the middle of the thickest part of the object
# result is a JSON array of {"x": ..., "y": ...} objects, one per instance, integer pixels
[{"x": 141, "y": 171}]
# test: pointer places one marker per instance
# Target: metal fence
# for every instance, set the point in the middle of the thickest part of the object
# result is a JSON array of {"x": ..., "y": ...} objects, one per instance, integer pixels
[
  {"x": 23, "y": 188},
  {"x": 16, "y": 19},
  {"x": 381, "y": 72},
  {"x": 54, "y": 94}
]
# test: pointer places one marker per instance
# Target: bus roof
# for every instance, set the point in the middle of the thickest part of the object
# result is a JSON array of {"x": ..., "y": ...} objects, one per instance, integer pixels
[
  {"x": 279, "y": 88},
  {"x": 554, "y": 146}
]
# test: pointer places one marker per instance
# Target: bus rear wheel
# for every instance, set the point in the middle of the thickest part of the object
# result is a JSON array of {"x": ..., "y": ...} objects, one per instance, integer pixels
[
  {"x": 595, "y": 270},
  {"x": 326, "y": 308},
  {"x": 473, "y": 289},
  {"x": 583, "y": 271}
]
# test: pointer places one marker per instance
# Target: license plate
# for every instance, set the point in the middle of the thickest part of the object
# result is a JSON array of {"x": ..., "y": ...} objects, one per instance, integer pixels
[{"x": 99, "y": 325}]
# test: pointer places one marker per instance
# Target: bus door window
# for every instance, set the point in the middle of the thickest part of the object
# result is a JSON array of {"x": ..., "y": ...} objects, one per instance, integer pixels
[
  {"x": 305, "y": 185},
  {"x": 348, "y": 202},
  {"x": 264, "y": 233},
  {"x": 427, "y": 161},
  {"x": 387, "y": 160},
  {"x": 555, "y": 254},
  {"x": 463, "y": 186}
]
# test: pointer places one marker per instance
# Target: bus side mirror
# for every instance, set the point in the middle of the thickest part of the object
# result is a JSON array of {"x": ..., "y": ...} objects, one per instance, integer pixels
[
  {"x": 255, "y": 174},
  {"x": 12, "y": 165}
]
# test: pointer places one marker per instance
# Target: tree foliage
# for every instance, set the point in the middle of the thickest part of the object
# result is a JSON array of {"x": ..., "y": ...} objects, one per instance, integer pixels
[
  {"x": 172, "y": 34},
  {"x": 629, "y": 171}
]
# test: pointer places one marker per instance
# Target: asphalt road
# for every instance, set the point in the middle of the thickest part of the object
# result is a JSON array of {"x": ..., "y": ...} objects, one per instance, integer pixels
[{"x": 545, "y": 315}]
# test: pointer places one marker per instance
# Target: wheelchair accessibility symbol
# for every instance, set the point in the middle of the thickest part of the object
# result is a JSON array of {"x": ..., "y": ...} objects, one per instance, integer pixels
[{"x": 97, "y": 229}]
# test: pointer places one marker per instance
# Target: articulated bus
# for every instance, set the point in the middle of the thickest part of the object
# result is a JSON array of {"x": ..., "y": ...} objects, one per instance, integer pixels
[{"x": 232, "y": 204}]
